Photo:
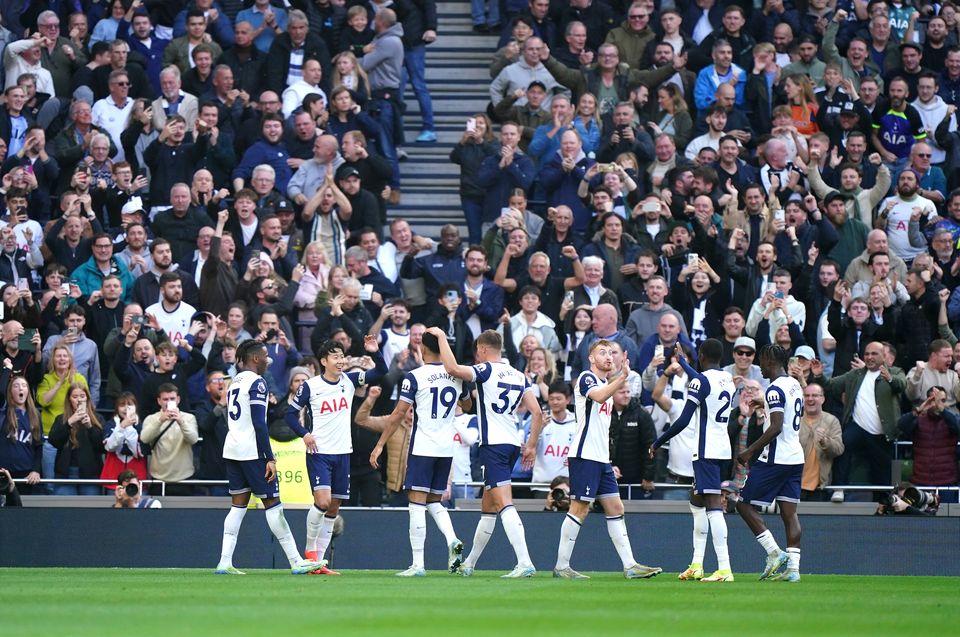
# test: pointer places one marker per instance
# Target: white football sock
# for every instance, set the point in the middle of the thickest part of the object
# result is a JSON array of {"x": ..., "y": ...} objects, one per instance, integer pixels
[
  {"x": 485, "y": 527},
  {"x": 326, "y": 534},
  {"x": 231, "y": 527},
  {"x": 314, "y": 522},
  {"x": 418, "y": 532},
  {"x": 513, "y": 525},
  {"x": 281, "y": 530},
  {"x": 441, "y": 516},
  {"x": 793, "y": 558},
  {"x": 569, "y": 531},
  {"x": 768, "y": 543},
  {"x": 701, "y": 526},
  {"x": 718, "y": 529},
  {"x": 617, "y": 529}
]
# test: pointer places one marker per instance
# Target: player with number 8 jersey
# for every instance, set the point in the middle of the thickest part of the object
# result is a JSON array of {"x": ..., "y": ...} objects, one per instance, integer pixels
[{"x": 777, "y": 474}]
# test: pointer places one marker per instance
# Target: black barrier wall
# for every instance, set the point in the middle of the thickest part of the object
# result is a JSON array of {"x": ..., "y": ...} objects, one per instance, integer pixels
[{"x": 377, "y": 539}]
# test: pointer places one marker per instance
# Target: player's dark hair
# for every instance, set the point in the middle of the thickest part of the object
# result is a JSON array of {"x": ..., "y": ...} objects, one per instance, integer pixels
[
  {"x": 247, "y": 349},
  {"x": 774, "y": 354},
  {"x": 431, "y": 342},
  {"x": 711, "y": 353},
  {"x": 329, "y": 347}
]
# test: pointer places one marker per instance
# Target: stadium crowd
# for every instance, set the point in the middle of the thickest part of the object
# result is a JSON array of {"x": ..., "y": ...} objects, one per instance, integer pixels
[{"x": 179, "y": 177}]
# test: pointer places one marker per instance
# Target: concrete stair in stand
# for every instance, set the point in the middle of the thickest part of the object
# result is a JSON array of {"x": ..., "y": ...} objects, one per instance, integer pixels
[{"x": 458, "y": 79}]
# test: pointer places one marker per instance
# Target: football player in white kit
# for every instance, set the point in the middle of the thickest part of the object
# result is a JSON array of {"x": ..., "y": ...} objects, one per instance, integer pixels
[
  {"x": 776, "y": 476},
  {"x": 591, "y": 474},
  {"x": 250, "y": 464},
  {"x": 708, "y": 404},
  {"x": 501, "y": 390},
  {"x": 328, "y": 400},
  {"x": 433, "y": 393}
]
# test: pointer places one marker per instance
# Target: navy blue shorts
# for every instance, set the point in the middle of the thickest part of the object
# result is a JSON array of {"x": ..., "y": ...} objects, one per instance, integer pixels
[
  {"x": 427, "y": 473},
  {"x": 330, "y": 472},
  {"x": 498, "y": 462},
  {"x": 247, "y": 476},
  {"x": 590, "y": 480},
  {"x": 706, "y": 476},
  {"x": 769, "y": 482}
]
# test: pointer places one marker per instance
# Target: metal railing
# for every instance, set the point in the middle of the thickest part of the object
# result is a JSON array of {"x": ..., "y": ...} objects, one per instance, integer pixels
[{"x": 664, "y": 486}]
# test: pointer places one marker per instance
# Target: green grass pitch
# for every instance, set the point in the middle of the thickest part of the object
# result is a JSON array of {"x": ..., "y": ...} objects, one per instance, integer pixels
[{"x": 173, "y": 603}]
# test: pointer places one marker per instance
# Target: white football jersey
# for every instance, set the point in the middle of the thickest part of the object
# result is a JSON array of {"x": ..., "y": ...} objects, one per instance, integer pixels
[
  {"x": 433, "y": 395},
  {"x": 712, "y": 391},
  {"x": 176, "y": 323},
  {"x": 328, "y": 406},
  {"x": 592, "y": 440},
  {"x": 784, "y": 395},
  {"x": 246, "y": 391},
  {"x": 392, "y": 344},
  {"x": 500, "y": 388},
  {"x": 467, "y": 435},
  {"x": 554, "y": 445}
]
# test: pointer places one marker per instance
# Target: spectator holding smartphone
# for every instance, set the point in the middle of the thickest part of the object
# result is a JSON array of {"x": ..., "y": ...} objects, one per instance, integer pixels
[{"x": 77, "y": 435}]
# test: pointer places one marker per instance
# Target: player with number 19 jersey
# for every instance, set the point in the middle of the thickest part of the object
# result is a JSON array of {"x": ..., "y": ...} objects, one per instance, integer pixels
[
  {"x": 433, "y": 394},
  {"x": 785, "y": 395}
]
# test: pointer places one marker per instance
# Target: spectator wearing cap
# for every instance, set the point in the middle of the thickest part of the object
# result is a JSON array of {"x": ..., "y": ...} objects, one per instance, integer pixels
[
  {"x": 808, "y": 63},
  {"x": 376, "y": 289},
  {"x": 366, "y": 211},
  {"x": 529, "y": 116},
  {"x": 743, "y": 367},
  {"x": 311, "y": 174}
]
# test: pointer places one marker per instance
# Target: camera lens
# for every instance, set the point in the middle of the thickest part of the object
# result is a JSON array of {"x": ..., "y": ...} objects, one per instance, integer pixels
[{"x": 132, "y": 489}]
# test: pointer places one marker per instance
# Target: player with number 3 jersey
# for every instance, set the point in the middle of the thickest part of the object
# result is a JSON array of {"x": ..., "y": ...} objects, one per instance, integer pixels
[
  {"x": 709, "y": 394},
  {"x": 326, "y": 401},
  {"x": 250, "y": 464},
  {"x": 501, "y": 391},
  {"x": 776, "y": 476}
]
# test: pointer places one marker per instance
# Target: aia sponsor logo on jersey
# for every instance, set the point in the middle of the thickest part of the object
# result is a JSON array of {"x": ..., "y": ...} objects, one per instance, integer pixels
[
  {"x": 333, "y": 405},
  {"x": 557, "y": 451},
  {"x": 605, "y": 409}
]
